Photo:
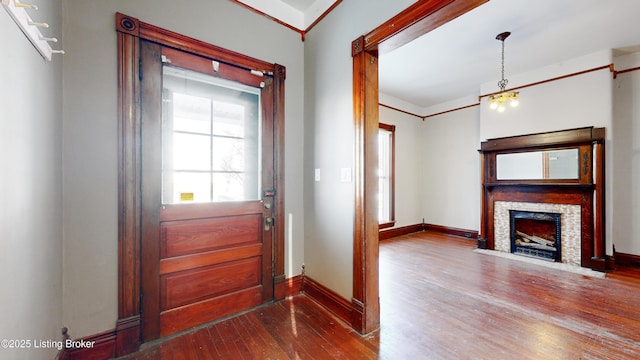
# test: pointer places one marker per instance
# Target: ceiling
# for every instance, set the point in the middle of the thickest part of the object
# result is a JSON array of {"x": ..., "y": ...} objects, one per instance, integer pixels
[
  {"x": 452, "y": 61},
  {"x": 299, "y": 14}
]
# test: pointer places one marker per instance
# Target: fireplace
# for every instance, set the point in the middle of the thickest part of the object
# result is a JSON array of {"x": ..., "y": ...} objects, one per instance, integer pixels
[
  {"x": 536, "y": 234},
  {"x": 551, "y": 215}
]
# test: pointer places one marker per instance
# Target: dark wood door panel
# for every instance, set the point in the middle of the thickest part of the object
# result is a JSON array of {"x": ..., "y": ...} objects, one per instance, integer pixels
[
  {"x": 171, "y": 212},
  {"x": 186, "y": 237},
  {"x": 185, "y": 317},
  {"x": 190, "y": 286},
  {"x": 187, "y": 262}
]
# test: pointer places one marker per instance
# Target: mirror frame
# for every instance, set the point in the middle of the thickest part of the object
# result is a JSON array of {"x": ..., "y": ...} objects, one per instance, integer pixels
[
  {"x": 581, "y": 139},
  {"x": 585, "y": 161}
]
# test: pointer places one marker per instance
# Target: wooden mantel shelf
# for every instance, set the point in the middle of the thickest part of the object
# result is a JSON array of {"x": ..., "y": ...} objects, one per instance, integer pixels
[{"x": 546, "y": 139}]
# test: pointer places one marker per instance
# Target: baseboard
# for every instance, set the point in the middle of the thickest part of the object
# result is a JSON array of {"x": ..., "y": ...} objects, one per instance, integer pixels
[
  {"x": 598, "y": 264},
  {"x": 469, "y": 234},
  {"x": 357, "y": 316},
  {"x": 627, "y": 260},
  {"x": 398, "y": 231},
  {"x": 288, "y": 287},
  {"x": 128, "y": 335},
  {"x": 326, "y": 297},
  {"x": 125, "y": 338},
  {"x": 95, "y": 347},
  {"x": 410, "y": 229}
]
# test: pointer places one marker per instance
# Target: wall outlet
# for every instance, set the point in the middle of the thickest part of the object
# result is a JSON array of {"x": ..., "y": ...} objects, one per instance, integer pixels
[{"x": 317, "y": 175}]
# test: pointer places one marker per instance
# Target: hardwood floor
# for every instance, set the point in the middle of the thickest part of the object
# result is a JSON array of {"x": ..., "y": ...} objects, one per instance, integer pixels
[
  {"x": 458, "y": 304},
  {"x": 440, "y": 300}
]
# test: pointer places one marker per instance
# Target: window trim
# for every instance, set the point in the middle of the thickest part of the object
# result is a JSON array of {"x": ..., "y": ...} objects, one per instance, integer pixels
[{"x": 392, "y": 185}]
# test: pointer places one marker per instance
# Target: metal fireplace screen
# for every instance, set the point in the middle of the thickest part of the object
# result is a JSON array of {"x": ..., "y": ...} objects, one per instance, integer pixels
[{"x": 535, "y": 234}]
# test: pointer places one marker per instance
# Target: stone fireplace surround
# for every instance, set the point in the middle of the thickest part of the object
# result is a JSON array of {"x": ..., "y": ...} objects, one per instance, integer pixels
[
  {"x": 580, "y": 202},
  {"x": 569, "y": 223}
]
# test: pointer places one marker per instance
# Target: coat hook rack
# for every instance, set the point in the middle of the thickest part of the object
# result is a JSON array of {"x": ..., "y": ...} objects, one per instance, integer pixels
[
  {"x": 27, "y": 6},
  {"x": 18, "y": 11}
]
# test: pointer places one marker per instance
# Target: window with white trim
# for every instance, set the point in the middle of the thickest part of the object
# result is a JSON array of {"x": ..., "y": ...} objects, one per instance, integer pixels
[{"x": 386, "y": 161}]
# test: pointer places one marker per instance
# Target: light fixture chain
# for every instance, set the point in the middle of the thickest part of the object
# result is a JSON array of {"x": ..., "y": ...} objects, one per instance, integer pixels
[
  {"x": 498, "y": 100},
  {"x": 502, "y": 84},
  {"x": 502, "y": 60}
]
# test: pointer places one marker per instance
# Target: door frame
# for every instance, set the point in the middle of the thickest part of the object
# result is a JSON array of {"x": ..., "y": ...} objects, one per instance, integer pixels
[
  {"x": 415, "y": 21},
  {"x": 129, "y": 32}
]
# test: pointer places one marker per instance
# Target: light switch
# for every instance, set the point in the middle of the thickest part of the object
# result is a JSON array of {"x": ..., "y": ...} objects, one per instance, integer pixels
[{"x": 345, "y": 174}]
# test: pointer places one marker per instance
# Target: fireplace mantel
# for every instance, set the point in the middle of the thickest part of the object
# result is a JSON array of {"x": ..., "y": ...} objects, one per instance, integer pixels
[{"x": 585, "y": 189}]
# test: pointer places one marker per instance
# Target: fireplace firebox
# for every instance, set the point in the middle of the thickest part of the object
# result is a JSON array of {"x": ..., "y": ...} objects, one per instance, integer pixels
[{"x": 536, "y": 234}]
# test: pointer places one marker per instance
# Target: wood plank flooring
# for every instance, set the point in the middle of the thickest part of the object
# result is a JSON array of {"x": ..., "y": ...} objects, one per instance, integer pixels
[{"x": 440, "y": 300}]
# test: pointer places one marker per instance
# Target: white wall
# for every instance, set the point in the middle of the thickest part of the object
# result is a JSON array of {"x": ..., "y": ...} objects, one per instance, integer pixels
[
  {"x": 30, "y": 188},
  {"x": 90, "y": 131},
  {"x": 437, "y": 168},
  {"x": 409, "y": 183},
  {"x": 451, "y": 169},
  {"x": 625, "y": 222},
  {"x": 578, "y": 101},
  {"x": 329, "y": 138}
]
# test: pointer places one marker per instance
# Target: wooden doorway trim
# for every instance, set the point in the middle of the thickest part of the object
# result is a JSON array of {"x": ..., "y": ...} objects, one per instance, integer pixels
[
  {"x": 413, "y": 22},
  {"x": 129, "y": 32}
]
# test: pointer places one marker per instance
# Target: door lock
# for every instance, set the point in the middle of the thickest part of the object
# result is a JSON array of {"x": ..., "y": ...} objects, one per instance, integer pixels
[{"x": 268, "y": 220}]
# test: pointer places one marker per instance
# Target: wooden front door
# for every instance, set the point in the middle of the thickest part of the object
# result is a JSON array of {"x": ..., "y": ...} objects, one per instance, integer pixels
[{"x": 207, "y": 157}]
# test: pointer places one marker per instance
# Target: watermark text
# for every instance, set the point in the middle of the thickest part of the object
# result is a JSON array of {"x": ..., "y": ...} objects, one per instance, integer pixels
[{"x": 46, "y": 344}]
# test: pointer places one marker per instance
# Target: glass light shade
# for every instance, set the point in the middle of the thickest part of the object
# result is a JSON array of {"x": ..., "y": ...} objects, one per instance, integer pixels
[{"x": 498, "y": 101}]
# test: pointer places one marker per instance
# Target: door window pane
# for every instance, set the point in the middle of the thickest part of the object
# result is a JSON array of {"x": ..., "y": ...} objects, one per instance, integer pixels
[
  {"x": 211, "y": 139},
  {"x": 228, "y": 154},
  {"x": 229, "y": 119},
  {"x": 191, "y": 152},
  {"x": 228, "y": 186},
  {"x": 190, "y": 187},
  {"x": 191, "y": 113}
]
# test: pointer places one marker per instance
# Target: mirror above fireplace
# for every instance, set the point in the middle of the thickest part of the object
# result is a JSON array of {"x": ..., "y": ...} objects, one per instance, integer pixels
[
  {"x": 561, "y": 157},
  {"x": 537, "y": 165}
]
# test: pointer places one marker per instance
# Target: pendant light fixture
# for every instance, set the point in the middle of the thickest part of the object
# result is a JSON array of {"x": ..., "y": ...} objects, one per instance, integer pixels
[{"x": 497, "y": 101}]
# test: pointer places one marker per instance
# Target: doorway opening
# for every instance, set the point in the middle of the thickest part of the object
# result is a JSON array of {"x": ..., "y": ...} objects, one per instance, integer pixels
[{"x": 413, "y": 22}]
